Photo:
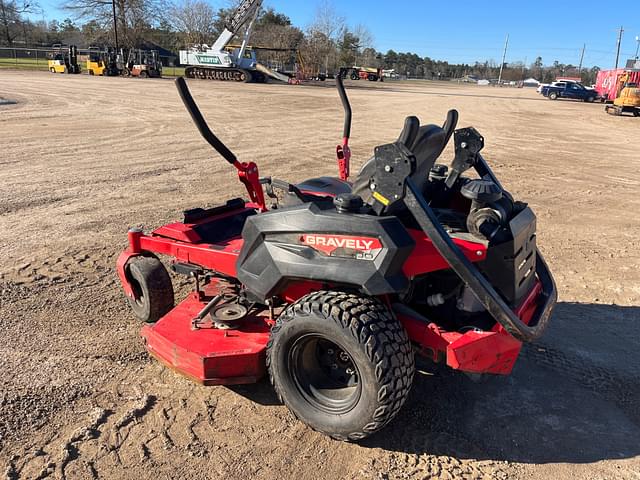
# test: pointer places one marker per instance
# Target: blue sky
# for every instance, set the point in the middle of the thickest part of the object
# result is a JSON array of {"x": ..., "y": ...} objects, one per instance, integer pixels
[{"x": 466, "y": 31}]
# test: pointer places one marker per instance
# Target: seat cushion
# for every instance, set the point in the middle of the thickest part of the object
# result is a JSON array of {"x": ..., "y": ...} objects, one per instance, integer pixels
[{"x": 325, "y": 186}]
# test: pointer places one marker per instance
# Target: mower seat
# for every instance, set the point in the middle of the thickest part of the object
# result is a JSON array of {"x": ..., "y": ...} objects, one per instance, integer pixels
[
  {"x": 325, "y": 186},
  {"x": 426, "y": 143}
]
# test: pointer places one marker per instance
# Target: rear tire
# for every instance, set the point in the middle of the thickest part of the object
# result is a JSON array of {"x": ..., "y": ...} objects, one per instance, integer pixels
[
  {"x": 342, "y": 363},
  {"x": 591, "y": 99},
  {"x": 152, "y": 287},
  {"x": 553, "y": 96},
  {"x": 144, "y": 74}
]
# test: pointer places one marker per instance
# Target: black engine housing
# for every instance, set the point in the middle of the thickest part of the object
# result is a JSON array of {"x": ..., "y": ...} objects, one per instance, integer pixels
[{"x": 274, "y": 252}]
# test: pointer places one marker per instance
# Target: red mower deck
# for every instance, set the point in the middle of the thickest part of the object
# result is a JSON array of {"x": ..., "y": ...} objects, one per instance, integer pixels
[{"x": 208, "y": 355}]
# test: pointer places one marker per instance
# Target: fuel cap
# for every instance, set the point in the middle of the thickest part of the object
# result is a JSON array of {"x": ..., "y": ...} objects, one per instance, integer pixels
[{"x": 348, "y": 203}]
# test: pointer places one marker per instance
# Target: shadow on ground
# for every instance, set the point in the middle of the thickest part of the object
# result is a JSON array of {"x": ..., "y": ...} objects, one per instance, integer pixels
[{"x": 573, "y": 397}]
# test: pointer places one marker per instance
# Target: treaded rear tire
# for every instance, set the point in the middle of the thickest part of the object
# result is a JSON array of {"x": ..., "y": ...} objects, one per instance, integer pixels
[
  {"x": 375, "y": 341},
  {"x": 152, "y": 285}
]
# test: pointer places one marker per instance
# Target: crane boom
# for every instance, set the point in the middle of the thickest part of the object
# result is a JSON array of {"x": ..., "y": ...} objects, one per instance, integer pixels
[
  {"x": 245, "y": 12},
  {"x": 218, "y": 62}
]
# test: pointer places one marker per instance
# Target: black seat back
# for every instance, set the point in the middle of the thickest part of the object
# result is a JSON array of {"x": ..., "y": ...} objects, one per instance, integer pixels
[{"x": 426, "y": 143}]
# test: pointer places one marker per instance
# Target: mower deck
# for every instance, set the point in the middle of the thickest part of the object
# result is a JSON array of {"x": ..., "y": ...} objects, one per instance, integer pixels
[
  {"x": 209, "y": 356},
  {"x": 212, "y": 356}
]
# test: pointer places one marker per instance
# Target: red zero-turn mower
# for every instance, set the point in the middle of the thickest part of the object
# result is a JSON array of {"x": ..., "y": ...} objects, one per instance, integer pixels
[{"x": 333, "y": 287}]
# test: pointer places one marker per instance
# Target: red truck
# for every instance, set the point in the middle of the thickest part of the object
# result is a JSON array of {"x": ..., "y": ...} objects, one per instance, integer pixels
[{"x": 609, "y": 83}]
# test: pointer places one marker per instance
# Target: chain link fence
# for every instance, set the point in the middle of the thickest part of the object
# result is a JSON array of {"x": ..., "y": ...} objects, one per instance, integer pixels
[{"x": 38, "y": 58}]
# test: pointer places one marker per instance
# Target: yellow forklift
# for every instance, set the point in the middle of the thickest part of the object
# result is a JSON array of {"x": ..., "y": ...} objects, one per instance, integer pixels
[
  {"x": 64, "y": 59},
  {"x": 102, "y": 62},
  {"x": 628, "y": 100}
]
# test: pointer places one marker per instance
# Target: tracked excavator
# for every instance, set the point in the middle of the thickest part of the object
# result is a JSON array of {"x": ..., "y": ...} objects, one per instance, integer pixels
[
  {"x": 628, "y": 99},
  {"x": 219, "y": 62}
]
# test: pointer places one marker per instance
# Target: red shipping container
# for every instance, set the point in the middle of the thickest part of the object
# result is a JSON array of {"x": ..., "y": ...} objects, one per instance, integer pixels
[{"x": 608, "y": 84}]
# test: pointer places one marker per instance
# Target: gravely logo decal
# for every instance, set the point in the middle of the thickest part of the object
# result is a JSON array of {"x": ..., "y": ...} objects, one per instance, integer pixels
[{"x": 344, "y": 245}]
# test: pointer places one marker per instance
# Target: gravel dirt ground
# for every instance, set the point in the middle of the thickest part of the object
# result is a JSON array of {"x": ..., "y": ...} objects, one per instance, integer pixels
[{"x": 83, "y": 158}]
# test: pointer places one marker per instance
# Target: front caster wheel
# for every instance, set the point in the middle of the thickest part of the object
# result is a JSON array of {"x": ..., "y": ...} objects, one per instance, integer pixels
[
  {"x": 342, "y": 363},
  {"x": 152, "y": 289}
]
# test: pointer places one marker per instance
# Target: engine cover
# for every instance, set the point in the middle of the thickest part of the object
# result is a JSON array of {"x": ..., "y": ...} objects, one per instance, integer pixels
[{"x": 315, "y": 242}]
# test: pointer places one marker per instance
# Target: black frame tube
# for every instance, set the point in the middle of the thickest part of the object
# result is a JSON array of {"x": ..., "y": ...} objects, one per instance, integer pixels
[
  {"x": 472, "y": 277},
  {"x": 200, "y": 122}
]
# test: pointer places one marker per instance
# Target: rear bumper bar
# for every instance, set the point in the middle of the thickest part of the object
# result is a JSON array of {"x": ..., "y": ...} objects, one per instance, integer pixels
[{"x": 484, "y": 291}]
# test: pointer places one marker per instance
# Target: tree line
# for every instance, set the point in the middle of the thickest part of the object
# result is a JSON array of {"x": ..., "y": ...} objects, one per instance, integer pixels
[{"x": 324, "y": 46}]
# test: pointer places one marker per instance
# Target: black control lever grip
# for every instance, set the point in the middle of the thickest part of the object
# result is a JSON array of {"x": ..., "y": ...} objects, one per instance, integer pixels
[
  {"x": 346, "y": 131},
  {"x": 198, "y": 119}
]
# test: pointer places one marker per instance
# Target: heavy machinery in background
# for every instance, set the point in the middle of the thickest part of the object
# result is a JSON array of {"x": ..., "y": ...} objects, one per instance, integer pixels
[
  {"x": 143, "y": 64},
  {"x": 220, "y": 62},
  {"x": 363, "y": 73},
  {"x": 103, "y": 62},
  {"x": 64, "y": 59},
  {"x": 134, "y": 62},
  {"x": 628, "y": 99}
]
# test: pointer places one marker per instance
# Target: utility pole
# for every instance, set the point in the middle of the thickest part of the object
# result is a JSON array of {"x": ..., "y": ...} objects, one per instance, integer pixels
[
  {"x": 637, "y": 46},
  {"x": 584, "y": 46},
  {"x": 504, "y": 55},
  {"x": 115, "y": 24},
  {"x": 618, "y": 49}
]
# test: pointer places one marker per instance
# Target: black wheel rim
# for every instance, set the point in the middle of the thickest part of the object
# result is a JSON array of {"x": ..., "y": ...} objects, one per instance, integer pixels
[{"x": 324, "y": 374}]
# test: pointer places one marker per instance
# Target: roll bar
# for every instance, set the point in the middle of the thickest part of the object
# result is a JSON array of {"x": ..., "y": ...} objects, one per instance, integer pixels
[{"x": 472, "y": 277}]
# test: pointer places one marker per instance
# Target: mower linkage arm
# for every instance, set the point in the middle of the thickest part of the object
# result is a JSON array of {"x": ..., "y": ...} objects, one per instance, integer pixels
[
  {"x": 472, "y": 277},
  {"x": 271, "y": 183}
]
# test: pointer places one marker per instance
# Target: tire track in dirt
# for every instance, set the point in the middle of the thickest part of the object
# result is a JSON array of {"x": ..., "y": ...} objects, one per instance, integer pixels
[
  {"x": 623, "y": 391},
  {"x": 40, "y": 465},
  {"x": 71, "y": 266},
  {"x": 90, "y": 444}
]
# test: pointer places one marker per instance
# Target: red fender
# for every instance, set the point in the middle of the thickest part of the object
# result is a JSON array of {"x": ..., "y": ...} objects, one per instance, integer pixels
[{"x": 121, "y": 267}]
